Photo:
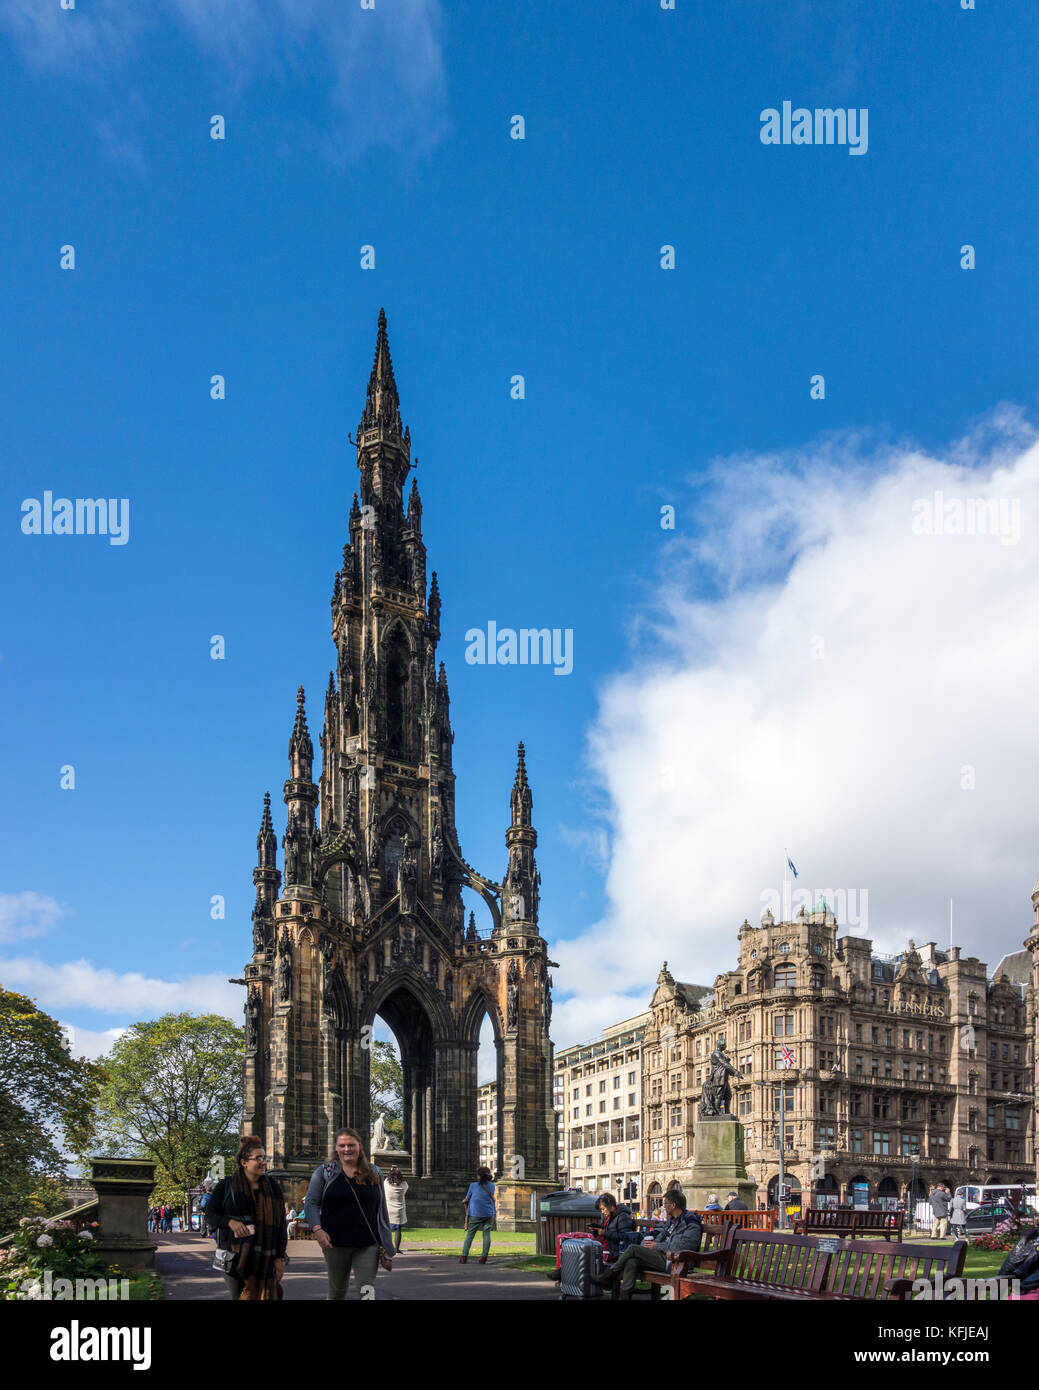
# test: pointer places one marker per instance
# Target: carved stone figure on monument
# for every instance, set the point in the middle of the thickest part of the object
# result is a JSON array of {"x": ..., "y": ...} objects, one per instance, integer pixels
[
  {"x": 291, "y": 847},
  {"x": 717, "y": 1093},
  {"x": 406, "y": 877},
  {"x": 285, "y": 977},
  {"x": 512, "y": 996},
  {"x": 436, "y": 844},
  {"x": 252, "y": 1019}
]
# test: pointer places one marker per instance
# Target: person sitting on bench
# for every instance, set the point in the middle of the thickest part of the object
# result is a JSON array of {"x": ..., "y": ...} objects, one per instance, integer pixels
[
  {"x": 682, "y": 1232},
  {"x": 617, "y": 1226}
]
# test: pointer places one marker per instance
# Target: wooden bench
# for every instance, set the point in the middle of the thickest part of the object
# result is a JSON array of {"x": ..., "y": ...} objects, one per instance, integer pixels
[
  {"x": 838, "y": 1221},
  {"x": 776, "y": 1265},
  {"x": 887, "y": 1269},
  {"x": 750, "y": 1220}
]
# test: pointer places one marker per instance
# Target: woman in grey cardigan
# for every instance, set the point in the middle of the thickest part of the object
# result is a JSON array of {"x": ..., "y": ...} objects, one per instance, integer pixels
[{"x": 346, "y": 1211}]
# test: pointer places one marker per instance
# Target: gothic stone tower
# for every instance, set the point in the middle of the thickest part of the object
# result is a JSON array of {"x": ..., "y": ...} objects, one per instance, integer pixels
[{"x": 369, "y": 919}]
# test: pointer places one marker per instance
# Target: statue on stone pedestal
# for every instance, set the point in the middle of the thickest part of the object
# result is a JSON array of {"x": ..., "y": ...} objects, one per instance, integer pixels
[
  {"x": 406, "y": 877},
  {"x": 716, "y": 1095},
  {"x": 512, "y": 997},
  {"x": 379, "y": 1135}
]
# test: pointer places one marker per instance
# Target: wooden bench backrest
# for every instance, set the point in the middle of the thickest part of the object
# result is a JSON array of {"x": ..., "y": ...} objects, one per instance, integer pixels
[
  {"x": 828, "y": 1219},
  {"x": 778, "y": 1259},
  {"x": 861, "y": 1268}
]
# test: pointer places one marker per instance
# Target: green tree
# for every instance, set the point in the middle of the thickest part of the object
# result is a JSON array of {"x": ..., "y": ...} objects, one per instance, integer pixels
[
  {"x": 46, "y": 1100},
  {"x": 172, "y": 1092},
  {"x": 386, "y": 1086}
]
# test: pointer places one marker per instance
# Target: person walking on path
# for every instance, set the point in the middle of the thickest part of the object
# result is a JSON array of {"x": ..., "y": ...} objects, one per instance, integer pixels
[
  {"x": 479, "y": 1213},
  {"x": 940, "y": 1200},
  {"x": 396, "y": 1209},
  {"x": 345, "y": 1207},
  {"x": 247, "y": 1212},
  {"x": 958, "y": 1216}
]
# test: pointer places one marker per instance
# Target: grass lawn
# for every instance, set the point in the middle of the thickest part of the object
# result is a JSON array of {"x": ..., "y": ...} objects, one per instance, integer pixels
[
  {"x": 145, "y": 1286},
  {"x": 417, "y": 1237},
  {"x": 531, "y": 1263}
]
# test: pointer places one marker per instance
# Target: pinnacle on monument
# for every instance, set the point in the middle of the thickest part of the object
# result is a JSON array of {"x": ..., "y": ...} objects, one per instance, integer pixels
[
  {"x": 382, "y": 404},
  {"x": 299, "y": 743},
  {"x": 521, "y": 800}
]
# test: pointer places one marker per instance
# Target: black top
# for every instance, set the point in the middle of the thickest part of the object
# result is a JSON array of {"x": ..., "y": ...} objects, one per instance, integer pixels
[
  {"x": 225, "y": 1205},
  {"x": 341, "y": 1212}
]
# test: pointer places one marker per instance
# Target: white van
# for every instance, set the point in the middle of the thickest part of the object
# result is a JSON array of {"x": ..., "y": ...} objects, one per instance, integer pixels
[{"x": 1019, "y": 1193}]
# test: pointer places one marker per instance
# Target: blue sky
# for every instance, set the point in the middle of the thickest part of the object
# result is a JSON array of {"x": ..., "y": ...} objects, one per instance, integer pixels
[{"x": 644, "y": 388}]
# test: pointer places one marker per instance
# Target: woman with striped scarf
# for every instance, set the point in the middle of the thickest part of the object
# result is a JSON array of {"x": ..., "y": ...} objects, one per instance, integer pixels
[{"x": 247, "y": 1212}]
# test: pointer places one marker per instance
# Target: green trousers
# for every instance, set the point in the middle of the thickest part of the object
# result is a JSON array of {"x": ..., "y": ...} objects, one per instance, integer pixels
[
  {"x": 363, "y": 1260},
  {"x": 633, "y": 1261}
]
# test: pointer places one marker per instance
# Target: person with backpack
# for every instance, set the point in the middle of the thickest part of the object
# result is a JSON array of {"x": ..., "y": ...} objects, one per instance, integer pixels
[
  {"x": 345, "y": 1207},
  {"x": 479, "y": 1214},
  {"x": 247, "y": 1212},
  {"x": 396, "y": 1208}
]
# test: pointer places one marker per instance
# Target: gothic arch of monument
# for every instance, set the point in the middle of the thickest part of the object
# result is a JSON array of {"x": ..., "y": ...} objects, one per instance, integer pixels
[{"x": 365, "y": 917}]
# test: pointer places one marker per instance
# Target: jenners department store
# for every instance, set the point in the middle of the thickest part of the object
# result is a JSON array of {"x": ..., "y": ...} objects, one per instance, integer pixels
[{"x": 907, "y": 1069}]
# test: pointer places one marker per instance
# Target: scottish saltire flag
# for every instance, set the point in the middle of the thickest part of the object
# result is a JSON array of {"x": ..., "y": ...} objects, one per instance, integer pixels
[
  {"x": 786, "y": 1057},
  {"x": 790, "y": 866}
]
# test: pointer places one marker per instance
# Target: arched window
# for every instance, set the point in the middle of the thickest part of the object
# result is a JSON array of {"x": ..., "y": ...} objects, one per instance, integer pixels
[{"x": 397, "y": 696}]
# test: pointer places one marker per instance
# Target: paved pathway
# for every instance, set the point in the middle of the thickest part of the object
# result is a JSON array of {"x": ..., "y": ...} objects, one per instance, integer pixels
[{"x": 185, "y": 1264}]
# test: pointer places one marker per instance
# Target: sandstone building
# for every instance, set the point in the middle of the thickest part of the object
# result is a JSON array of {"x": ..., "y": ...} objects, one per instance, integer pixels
[
  {"x": 599, "y": 1101},
  {"x": 368, "y": 916},
  {"x": 908, "y": 1069}
]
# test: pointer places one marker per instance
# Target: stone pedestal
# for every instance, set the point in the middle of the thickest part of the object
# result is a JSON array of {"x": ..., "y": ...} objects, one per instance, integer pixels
[
  {"x": 718, "y": 1163},
  {"x": 123, "y": 1187},
  {"x": 385, "y": 1159}
]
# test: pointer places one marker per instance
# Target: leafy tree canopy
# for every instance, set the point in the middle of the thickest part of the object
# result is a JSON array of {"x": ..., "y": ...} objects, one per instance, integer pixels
[
  {"x": 46, "y": 1100},
  {"x": 172, "y": 1092},
  {"x": 387, "y": 1088}
]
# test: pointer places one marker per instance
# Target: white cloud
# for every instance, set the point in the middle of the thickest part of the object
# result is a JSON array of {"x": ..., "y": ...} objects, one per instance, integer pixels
[
  {"x": 731, "y": 737},
  {"x": 376, "y": 77},
  {"x": 27, "y": 914},
  {"x": 81, "y": 985},
  {"x": 85, "y": 1042}
]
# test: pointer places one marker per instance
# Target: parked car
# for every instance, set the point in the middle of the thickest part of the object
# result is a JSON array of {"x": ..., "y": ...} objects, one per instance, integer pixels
[{"x": 984, "y": 1218}]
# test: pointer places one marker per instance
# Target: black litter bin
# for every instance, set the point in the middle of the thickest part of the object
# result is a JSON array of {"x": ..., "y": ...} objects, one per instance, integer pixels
[{"x": 567, "y": 1210}]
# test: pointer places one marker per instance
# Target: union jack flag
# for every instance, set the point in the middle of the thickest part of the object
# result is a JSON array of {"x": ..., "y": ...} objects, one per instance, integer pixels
[{"x": 785, "y": 1057}]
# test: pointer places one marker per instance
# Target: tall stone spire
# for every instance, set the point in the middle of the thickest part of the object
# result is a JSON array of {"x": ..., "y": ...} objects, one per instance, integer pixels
[
  {"x": 522, "y": 879},
  {"x": 301, "y": 839},
  {"x": 382, "y": 404},
  {"x": 521, "y": 801},
  {"x": 266, "y": 876},
  {"x": 301, "y": 750},
  {"x": 266, "y": 841}
]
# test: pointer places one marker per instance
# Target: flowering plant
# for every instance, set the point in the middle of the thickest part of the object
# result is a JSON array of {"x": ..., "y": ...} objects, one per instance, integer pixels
[
  {"x": 1004, "y": 1237},
  {"x": 39, "y": 1245}
]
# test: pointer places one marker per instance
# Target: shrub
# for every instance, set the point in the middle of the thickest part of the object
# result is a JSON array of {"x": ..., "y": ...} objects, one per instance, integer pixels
[{"x": 39, "y": 1245}]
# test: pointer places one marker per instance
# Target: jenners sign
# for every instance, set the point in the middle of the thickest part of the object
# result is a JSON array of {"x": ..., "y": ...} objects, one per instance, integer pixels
[{"x": 919, "y": 1010}]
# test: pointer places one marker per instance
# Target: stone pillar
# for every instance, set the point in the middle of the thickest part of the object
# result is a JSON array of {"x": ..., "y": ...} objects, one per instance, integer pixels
[{"x": 123, "y": 1187}]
